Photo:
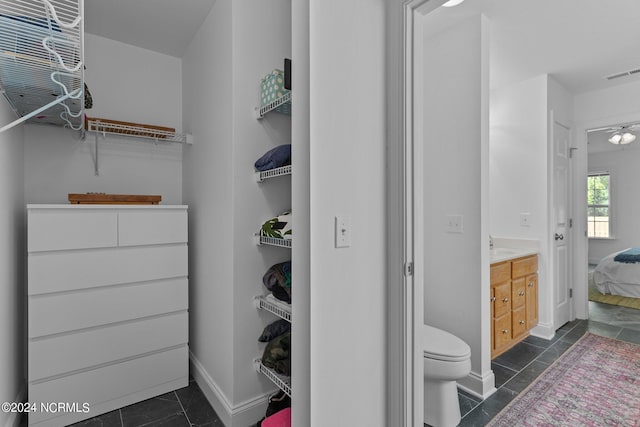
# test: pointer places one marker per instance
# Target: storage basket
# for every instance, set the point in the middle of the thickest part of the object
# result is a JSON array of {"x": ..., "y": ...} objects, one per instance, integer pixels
[{"x": 272, "y": 88}]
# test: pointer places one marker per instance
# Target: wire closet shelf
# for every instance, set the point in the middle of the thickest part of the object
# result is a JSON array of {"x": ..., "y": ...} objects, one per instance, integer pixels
[
  {"x": 137, "y": 131},
  {"x": 42, "y": 61}
]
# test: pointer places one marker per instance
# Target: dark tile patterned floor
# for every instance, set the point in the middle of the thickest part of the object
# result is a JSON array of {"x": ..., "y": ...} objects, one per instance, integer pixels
[
  {"x": 518, "y": 367},
  {"x": 184, "y": 407}
]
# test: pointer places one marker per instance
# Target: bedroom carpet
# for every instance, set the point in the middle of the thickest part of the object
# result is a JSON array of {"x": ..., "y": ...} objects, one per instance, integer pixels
[
  {"x": 595, "y": 383},
  {"x": 595, "y": 295}
]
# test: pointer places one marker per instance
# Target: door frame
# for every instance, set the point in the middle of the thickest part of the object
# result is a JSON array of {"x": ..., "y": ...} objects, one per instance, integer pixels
[{"x": 405, "y": 234}]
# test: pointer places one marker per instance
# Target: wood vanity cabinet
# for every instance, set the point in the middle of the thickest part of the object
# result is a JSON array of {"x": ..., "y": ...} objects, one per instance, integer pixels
[{"x": 514, "y": 302}]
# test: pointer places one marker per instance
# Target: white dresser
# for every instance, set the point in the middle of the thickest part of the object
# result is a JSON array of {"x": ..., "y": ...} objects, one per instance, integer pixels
[{"x": 107, "y": 307}]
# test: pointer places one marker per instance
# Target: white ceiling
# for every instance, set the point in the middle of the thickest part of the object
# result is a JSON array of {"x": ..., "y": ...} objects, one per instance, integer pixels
[
  {"x": 577, "y": 41},
  {"x": 165, "y": 26}
]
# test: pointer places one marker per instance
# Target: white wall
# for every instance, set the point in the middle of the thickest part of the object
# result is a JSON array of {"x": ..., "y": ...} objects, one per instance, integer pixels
[
  {"x": 622, "y": 163},
  {"x": 126, "y": 83},
  {"x": 237, "y": 45},
  {"x": 12, "y": 266},
  {"x": 455, "y": 120},
  {"x": 346, "y": 177},
  {"x": 519, "y": 164},
  {"x": 595, "y": 109},
  {"x": 606, "y": 108}
]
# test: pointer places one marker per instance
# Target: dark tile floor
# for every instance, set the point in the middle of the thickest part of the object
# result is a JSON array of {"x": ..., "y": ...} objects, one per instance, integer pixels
[
  {"x": 184, "y": 407},
  {"x": 518, "y": 367}
]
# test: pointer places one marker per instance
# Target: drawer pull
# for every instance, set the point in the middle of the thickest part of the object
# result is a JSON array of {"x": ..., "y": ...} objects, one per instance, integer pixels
[
  {"x": 505, "y": 331},
  {"x": 505, "y": 300},
  {"x": 522, "y": 322},
  {"x": 531, "y": 284},
  {"x": 521, "y": 293},
  {"x": 493, "y": 299}
]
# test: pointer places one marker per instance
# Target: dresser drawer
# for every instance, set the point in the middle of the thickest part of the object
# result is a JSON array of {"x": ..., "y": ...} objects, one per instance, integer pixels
[
  {"x": 500, "y": 272},
  {"x": 97, "y": 386},
  {"x": 62, "y": 354},
  {"x": 65, "y": 229},
  {"x": 152, "y": 227},
  {"x": 524, "y": 266},
  {"x": 66, "y": 271},
  {"x": 502, "y": 331},
  {"x": 69, "y": 311},
  {"x": 502, "y": 301}
]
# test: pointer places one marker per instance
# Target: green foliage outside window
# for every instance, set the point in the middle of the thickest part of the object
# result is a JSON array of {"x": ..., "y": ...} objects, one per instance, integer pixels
[{"x": 598, "y": 215}]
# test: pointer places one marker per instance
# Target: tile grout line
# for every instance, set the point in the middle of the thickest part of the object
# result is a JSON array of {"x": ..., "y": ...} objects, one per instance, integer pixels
[{"x": 183, "y": 410}]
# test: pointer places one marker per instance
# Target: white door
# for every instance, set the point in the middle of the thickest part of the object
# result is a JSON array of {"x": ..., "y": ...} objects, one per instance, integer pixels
[{"x": 561, "y": 222}]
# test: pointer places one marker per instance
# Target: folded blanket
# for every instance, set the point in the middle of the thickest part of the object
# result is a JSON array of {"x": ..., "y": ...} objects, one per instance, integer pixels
[
  {"x": 630, "y": 256},
  {"x": 278, "y": 227},
  {"x": 274, "y": 329},
  {"x": 277, "y": 354},
  {"x": 278, "y": 280},
  {"x": 274, "y": 158}
]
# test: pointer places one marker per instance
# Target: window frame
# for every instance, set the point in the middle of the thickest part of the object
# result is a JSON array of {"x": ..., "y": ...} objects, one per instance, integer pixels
[{"x": 608, "y": 206}]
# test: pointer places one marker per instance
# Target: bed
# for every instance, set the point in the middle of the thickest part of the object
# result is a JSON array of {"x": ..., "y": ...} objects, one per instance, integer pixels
[{"x": 618, "y": 278}]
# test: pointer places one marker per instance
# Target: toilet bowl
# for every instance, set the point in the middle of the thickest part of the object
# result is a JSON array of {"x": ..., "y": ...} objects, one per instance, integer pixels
[{"x": 446, "y": 359}]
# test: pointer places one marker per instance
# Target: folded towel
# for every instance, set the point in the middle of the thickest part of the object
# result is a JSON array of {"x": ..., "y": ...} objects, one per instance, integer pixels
[
  {"x": 630, "y": 256},
  {"x": 274, "y": 158}
]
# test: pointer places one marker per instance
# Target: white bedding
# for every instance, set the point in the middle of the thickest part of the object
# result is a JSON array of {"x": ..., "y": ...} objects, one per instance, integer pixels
[{"x": 617, "y": 278}]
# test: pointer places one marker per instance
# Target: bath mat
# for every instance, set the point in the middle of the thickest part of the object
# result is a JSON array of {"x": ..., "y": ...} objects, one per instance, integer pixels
[
  {"x": 595, "y": 295},
  {"x": 595, "y": 383}
]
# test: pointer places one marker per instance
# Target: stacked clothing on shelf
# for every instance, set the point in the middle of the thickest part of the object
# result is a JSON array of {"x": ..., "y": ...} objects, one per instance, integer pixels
[
  {"x": 277, "y": 279},
  {"x": 277, "y": 354},
  {"x": 278, "y": 227},
  {"x": 274, "y": 158}
]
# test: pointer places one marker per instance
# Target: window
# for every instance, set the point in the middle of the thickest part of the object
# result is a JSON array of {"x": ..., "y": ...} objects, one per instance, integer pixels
[{"x": 598, "y": 213}]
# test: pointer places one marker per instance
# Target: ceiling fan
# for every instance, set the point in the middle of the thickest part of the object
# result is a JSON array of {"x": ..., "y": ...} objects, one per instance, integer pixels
[{"x": 621, "y": 135}]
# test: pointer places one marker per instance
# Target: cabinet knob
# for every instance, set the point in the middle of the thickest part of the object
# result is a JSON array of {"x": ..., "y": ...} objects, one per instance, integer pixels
[
  {"x": 531, "y": 284},
  {"x": 522, "y": 322},
  {"x": 521, "y": 293},
  {"x": 505, "y": 300},
  {"x": 505, "y": 331},
  {"x": 493, "y": 299}
]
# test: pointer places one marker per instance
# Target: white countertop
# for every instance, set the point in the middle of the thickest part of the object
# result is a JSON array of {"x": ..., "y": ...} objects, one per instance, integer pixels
[
  {"x": 499, "y": 254},
  {"x": 505, "y": 249}
]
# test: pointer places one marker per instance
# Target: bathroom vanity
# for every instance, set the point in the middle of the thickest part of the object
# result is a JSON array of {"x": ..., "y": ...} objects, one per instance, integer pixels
[{"x": 514, "y": 297}]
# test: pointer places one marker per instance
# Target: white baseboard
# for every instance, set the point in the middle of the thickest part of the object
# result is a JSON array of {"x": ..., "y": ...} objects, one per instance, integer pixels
[
  {"x": 13, "y": 418},
  {"x": 243, "y": 415},
  {"x": 543, "y": 330},
  {"x": 480, "y": 386}
]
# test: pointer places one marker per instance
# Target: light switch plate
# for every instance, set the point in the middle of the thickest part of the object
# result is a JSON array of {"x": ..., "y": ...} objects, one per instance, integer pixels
[
  {"x": 343, "y": 231},
  {"x": 525, "y": 219}
]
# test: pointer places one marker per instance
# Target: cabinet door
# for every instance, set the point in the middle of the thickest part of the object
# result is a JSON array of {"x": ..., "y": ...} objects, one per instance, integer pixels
[
  {"x": 502, "y": 331},
  {"x": 532, "y": 300},
  {"x": 502, "y": 292},
  {"x": 518, "y": 322},
  {"x": 518, "y": 292}
]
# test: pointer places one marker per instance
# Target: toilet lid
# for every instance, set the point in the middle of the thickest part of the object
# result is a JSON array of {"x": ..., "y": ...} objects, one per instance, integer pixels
[{"x": 442, "y": 345}]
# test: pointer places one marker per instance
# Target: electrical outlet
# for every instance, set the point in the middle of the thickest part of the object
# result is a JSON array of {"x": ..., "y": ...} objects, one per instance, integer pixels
[
  {"x": 454, "y": 224},
  {"x": 343, "y": 231}
]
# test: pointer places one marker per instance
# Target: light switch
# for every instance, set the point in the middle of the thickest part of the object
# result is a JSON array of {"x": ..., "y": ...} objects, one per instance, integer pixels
[
  {"x": 454, "y": 224},
  {"x": 343, "y": 231},
  {"x": 525, "y": 219}
]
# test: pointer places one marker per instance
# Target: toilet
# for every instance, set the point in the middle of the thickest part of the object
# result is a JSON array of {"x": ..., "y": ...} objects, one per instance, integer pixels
[{"x": 446, "y": 359}]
